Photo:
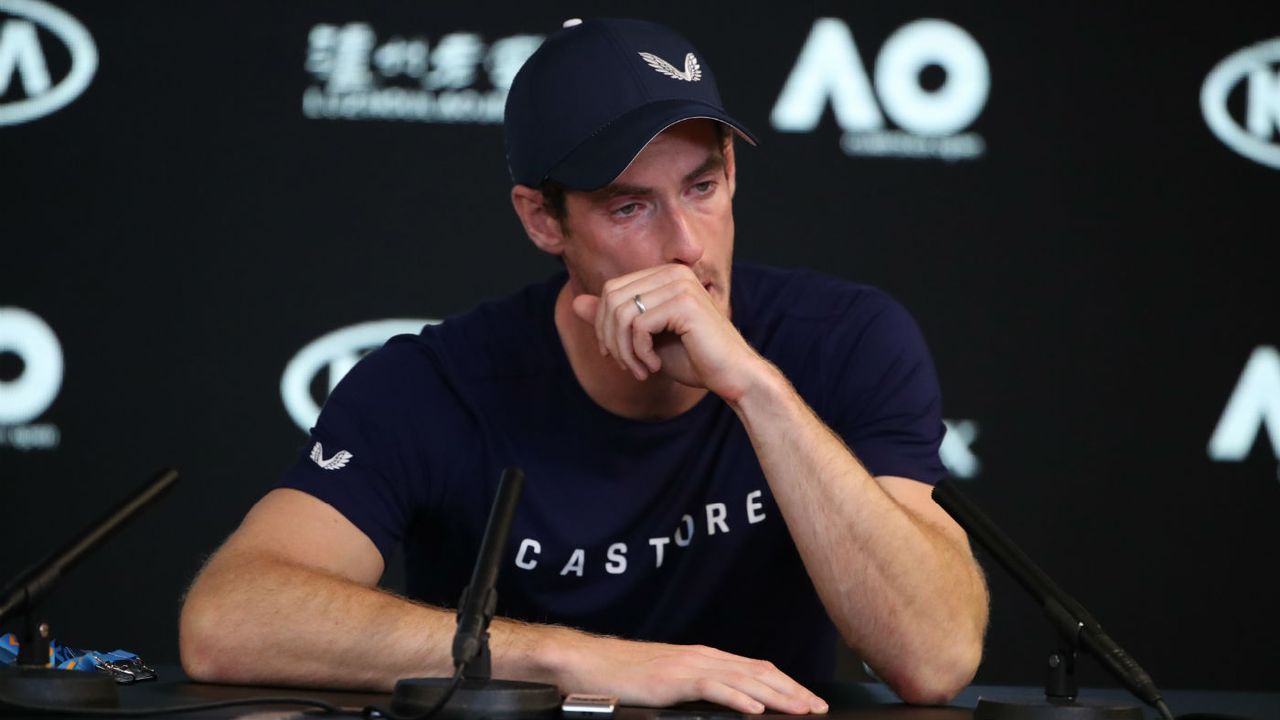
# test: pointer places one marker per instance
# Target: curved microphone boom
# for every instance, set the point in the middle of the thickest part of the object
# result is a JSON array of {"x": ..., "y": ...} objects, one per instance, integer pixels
[
  {"x": 26, "y": 592},
  {"x": 1076, "y": 625},
  {"x": 31, "y": 682}
]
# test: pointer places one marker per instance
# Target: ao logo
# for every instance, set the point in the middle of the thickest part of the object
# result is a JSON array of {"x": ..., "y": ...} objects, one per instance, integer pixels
[
  {"x": 829, "y": 70},
  {"x": 1259, "y": 65},
  {"x": 32, "y": 340},
  {"x": 22, "y": 56},
  {"x": 1255, "y": 403},
  {"x": 337, "y": 352}
]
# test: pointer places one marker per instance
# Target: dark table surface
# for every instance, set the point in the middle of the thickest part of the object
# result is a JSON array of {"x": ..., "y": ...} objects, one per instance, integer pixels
[{"x": 861, "y": 701}]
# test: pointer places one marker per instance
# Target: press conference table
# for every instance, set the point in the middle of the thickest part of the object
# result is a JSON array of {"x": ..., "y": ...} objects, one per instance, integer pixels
[{"x": 861, "y": 701}]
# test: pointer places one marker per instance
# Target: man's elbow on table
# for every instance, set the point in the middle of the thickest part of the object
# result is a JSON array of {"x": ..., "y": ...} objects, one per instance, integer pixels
[
  {"x": 220, "y": 624},
  {"x": 937, "y": 680},
  {"x": 938, "y": 683},
  {"x": 205, "y": 646}
]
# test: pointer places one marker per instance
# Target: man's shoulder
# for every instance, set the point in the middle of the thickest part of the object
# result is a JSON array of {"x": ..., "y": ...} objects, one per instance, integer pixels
[
  {"x": 497, "y": 335},
  {"x": 499, "y": 339},
  {"x": 768, "y": 292}
]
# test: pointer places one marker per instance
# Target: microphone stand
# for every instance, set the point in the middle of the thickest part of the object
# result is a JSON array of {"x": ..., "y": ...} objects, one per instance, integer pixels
[
  {"x": 32, "y": 681},
  {"x": 1077, "y": 630},
  {"x": 472, "y": 692}
]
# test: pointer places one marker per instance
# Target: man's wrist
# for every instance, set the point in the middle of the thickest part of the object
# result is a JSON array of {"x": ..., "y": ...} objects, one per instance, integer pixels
[
  {"x": 537, "y": 653},
  {"x": 766, "y": 390}
]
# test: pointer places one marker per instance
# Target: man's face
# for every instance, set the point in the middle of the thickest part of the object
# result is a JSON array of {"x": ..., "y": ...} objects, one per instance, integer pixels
[{"x": 673, "y": 204}]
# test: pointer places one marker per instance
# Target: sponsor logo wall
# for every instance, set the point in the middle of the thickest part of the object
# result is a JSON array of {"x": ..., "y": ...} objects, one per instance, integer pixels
[
  {"x": 1254, "y": 406},
  {"x": 1079, "y": 213},
  {"x": 1255, "y": 71},
  {"x": 37, "y": 357},
  {"x": 30, "y": 31},
  {"x": 926, "y": 122},
  {"x": 458, "y": 77}
]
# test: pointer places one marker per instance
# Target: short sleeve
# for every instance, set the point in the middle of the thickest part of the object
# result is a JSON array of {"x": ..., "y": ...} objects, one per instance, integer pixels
[
  {"x": 368, "y": 454},
  {"x": 886, "y": 402}
]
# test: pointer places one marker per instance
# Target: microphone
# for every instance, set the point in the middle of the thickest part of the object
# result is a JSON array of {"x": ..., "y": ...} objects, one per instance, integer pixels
[
  {"x": 26, "y": 592},
  {"x": 475, "y": 609},
  {"x": 471, "y": 692},
  {"x": 1077, "y": 627},
  {"x": 31, "y": 681}
]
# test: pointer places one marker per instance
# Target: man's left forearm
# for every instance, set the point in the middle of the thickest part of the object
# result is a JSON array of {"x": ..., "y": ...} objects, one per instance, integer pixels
[{"x": 892, "y": 569}]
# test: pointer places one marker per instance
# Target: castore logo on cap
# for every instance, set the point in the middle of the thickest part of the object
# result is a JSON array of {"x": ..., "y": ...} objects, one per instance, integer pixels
[{"x": 692, "y": 70}]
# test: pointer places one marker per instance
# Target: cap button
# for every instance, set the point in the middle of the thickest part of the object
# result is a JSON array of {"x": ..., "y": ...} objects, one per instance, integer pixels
[{"x": 571, "y": 22}]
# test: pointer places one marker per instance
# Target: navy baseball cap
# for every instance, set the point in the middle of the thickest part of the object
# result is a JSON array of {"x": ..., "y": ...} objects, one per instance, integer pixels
[{"x": 590, "y": 98}]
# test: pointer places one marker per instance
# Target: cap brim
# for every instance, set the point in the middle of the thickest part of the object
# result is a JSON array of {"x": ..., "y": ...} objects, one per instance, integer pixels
[{"x": 607, "y": 153}]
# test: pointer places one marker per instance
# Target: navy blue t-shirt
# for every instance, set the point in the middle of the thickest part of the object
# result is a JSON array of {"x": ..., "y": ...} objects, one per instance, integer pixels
[{"x": 656, "y": 530}]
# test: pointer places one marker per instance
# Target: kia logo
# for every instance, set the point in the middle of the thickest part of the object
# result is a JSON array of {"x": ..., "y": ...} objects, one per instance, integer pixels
[
  {"x": 1259, "y": 67},
  {"x": 336, "y": 352},
  {"x": 23, "y": 59}
]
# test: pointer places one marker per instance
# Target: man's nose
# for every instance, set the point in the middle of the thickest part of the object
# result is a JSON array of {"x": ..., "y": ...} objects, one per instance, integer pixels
[{"x": 682, "y": 242}]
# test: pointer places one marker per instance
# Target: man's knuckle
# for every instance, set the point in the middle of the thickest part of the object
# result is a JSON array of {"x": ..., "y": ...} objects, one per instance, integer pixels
[{"x": 766, "y": 665}]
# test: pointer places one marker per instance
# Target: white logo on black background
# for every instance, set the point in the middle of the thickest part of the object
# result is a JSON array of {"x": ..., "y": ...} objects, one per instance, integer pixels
[
  {"x": 1254, "y": 404},
  {"x": 720, "y": 521},
  {"x": 1258, "y": 67},
  {"x": 830, "y": 71},
  {"x": 337, "y": 462},
  {"x": 458, "y": 78},
  {"x": 692, "y": 70},
  {"x": 957, "y": 449},
  {"x": 31, "y": 342},
  {"x": 24, "y": 61},
  {"x": 335, "y": 354}
]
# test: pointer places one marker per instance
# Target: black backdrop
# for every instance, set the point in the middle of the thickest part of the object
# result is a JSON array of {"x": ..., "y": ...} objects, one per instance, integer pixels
[{"x": 1085, "y": 242}]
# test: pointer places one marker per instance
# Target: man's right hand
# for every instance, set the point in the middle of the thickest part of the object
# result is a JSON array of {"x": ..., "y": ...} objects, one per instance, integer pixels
[{"x": 657, "y": 674}]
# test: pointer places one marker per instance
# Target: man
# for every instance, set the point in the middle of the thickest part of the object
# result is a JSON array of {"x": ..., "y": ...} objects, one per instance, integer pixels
[{"x": 691, "y": 526}]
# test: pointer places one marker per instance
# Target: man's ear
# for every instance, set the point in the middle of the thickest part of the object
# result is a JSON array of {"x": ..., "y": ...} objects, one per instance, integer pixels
[
  {"x": 730, "y": 166},
  {"x": 539, "y": 224}
]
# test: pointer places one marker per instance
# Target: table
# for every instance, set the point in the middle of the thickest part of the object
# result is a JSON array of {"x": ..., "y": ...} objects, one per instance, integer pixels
[{"x": 849, "y": 701}]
